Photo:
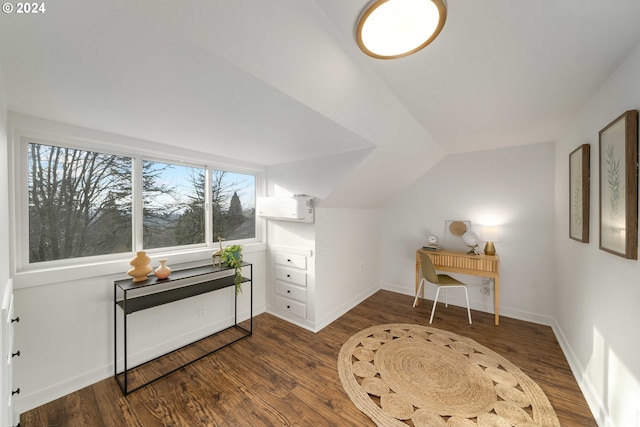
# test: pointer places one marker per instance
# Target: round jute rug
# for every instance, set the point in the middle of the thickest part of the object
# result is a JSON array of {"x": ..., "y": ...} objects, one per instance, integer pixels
[{"x": 411, "y": 375}]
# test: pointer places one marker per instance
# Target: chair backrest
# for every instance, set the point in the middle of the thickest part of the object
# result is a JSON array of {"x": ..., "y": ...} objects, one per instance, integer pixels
[{"x": 428, "y": 270}]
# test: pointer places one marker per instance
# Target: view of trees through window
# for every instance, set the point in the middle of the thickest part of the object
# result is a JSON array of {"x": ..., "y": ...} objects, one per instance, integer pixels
[
  {"x": 81, "y": 204},
  {"x": 233, "y": 205},
  {"x": 173, "y": 201}
]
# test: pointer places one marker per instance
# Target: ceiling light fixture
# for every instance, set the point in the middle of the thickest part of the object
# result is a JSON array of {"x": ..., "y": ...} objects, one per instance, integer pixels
[{"x": 389, "y": 29}]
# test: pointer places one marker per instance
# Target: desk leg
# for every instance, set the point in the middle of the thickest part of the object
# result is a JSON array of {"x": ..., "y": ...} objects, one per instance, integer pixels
[
  {"x": 496, "y": 303},
  {"x": 418, "y": 266}
]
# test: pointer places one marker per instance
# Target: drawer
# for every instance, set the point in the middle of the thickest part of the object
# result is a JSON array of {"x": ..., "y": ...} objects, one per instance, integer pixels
[
  {"x": 291, "y": 260},
  {"x": 298, "y": 277},
  {"x": 290, "y": 291},
  {"x": 297, "y": 308}
]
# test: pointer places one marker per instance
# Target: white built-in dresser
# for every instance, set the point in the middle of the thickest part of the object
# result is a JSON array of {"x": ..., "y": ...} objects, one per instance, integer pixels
[{"x": 291, "y": 294}]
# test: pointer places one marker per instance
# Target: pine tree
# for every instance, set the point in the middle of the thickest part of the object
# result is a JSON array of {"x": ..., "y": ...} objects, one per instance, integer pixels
[{"x": 235, "y": 217}]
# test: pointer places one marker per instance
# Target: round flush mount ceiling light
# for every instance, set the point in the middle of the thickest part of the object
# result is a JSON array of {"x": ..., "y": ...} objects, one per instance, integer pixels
[{"x": 389, "y": 29}]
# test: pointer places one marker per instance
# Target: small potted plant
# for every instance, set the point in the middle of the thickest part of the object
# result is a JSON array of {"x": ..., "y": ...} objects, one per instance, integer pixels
[{"x": 232, "y": 256}]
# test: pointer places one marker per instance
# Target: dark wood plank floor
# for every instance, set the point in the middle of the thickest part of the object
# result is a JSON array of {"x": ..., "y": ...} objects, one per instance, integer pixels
[{"x": 284, "y": 375}]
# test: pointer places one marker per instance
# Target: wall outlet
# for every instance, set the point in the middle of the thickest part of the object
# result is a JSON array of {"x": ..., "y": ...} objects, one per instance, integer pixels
[
  {"x": 201, "y": 312},
  {"x": 485, "y": 290}
]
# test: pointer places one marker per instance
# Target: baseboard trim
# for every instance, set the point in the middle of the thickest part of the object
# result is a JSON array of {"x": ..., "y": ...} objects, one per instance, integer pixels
[
  {"x": 478, "y": 306},
  {"x": 596, "y": 405},
  {"x": 27, "y": 402},
  {"x": 344, "y": 308},
  {"x": 304, "y": 324},
  {"x": 326, "y": 320}
]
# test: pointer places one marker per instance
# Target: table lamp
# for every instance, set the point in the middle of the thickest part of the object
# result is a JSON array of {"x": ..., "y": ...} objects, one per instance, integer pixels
[{"x": 490, "y": 235}]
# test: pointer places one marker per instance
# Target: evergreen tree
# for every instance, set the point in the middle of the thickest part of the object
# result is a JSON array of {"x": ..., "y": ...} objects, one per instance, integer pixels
[{"x": 235, "y": 217}]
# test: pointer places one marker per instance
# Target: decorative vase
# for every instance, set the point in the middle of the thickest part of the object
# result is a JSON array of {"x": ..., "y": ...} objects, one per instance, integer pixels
[
  {"x": 141, "y": 267},
  {"x": 163, "y": 271}
]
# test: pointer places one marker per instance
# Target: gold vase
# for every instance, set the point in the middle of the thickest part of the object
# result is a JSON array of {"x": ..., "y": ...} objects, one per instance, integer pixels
[
  {"x": 489, "y": 249},
  {"x": 141, "y": 267}
]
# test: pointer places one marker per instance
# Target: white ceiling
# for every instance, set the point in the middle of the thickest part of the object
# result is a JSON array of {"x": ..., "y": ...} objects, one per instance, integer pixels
[{"x": 282, "y": 80}]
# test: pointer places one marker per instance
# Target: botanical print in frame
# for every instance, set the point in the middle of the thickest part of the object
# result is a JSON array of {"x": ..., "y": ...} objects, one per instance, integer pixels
[
  {"x": 619, "y": 186},
  {"x": 579, "y": 193}
]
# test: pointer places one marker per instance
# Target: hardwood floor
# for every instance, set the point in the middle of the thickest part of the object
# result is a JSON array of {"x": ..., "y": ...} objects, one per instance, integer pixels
[{"x": 284, "y": 375}]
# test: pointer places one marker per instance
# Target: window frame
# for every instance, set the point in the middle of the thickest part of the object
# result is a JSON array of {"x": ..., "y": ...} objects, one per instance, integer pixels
[{"x": 138, "y": 151}]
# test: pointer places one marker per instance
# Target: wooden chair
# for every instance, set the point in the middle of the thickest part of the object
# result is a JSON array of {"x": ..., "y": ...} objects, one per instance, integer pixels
[{"x": 441, "y": 281}]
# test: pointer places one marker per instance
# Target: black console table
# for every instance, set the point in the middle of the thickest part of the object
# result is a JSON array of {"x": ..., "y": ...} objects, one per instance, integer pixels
[{"x": 180, "y": 285}]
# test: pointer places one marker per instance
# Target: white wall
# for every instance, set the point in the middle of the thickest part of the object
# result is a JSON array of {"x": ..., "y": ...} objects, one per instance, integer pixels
[
  {"x": 342, "y": 269},
  {"x": 316, "y": 177},
  {"x": 347, "y": 251},
  {"x": 510, "y": 187},
  {"x": 598, "y": 294}
]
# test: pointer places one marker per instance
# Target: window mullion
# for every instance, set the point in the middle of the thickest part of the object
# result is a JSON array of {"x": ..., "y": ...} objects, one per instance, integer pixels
[
  {"x": 208, "y": 218},
  {"x": 137, "y": 205},
  {"x": 21, "y": 211}
]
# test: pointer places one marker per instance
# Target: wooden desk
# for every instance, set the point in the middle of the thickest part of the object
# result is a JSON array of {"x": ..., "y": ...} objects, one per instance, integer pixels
[{"x": 461, "y": 262}]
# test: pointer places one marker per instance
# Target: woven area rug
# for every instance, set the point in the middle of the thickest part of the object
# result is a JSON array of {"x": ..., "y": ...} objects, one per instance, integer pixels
[{"x": 411, "y": 375}]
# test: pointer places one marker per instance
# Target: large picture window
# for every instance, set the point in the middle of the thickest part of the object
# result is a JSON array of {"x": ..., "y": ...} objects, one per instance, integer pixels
[
  {"x": 79, "y": 203},
  {"x": 84, "y": 203}
]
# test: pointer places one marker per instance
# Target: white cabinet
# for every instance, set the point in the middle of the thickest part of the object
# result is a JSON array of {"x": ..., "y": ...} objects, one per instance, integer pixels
[
  {"x": 290, "y": 284},
  {"x": 9, "y": 320}
]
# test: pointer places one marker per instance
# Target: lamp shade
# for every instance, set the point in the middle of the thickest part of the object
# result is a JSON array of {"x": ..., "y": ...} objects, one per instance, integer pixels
[{"x": 490, "y": 233}]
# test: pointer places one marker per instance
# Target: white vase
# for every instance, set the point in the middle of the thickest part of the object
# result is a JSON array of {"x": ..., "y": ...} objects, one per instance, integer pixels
[{"x": 163, "y": 271}]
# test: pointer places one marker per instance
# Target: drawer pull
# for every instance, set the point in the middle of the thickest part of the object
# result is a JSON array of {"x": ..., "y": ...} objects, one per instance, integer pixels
[
  {"x": 289, "y": 260},
  {"x": 16, "y": 354},
  {"x": 288, "y": 291},
  {"x": 288, "y": 275},
  {"x": 288, "y": 306},
  {"x": 17, "y": 319},
  {"x": 16, "y": 391}
]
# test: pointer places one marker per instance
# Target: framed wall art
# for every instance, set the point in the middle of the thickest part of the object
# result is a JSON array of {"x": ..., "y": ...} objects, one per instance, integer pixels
[
  {"x": 579, "y": 193},
  {"x": 619, "y": 186},
  {"x": 453, "y": 231}
]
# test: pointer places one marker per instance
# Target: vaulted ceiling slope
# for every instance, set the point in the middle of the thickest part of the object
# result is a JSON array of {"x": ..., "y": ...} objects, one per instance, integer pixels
[{"x": 283, "y": 81}]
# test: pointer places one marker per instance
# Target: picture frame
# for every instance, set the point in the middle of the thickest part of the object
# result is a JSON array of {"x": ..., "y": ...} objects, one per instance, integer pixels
[
  {"x": 453, "y": 231},
  {"x": 619, "y": 186},
  {"x": 579, "y": 190}
]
